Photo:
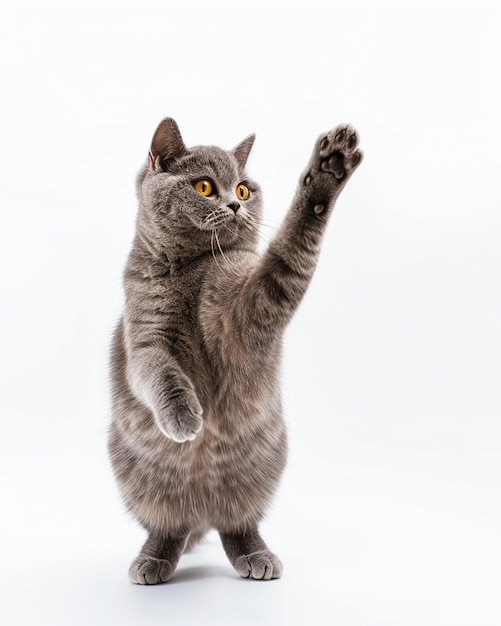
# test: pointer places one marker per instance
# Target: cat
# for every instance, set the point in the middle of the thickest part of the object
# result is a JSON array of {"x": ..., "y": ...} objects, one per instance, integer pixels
[{"x": 197, "y": 438}]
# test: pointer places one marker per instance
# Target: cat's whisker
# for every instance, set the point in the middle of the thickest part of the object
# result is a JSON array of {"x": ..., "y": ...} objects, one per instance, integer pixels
[
  {"x": 259, "y": 223},
  {"x": 230, "y": 229},
  {"x": 213, "y": 232},
  {"x": 264, "y": 239},
  {"x": 255, "y": 227},
  {"x": 214, "y": 219},
  {"x": 225, "y": 258},
  {"x": 226, "y": 264},
  {"x": 206, "y": 221},
  {"x": 265, "y": 225}
]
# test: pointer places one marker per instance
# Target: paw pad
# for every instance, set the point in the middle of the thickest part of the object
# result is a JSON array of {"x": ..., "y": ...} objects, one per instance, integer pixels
[
  {"x": 340, "y": 136},
  {"x": 338, "y": 153}
]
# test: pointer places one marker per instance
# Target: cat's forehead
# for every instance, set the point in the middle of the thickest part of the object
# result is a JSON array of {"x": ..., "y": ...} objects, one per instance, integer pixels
[{"x": 212, "y": 162}]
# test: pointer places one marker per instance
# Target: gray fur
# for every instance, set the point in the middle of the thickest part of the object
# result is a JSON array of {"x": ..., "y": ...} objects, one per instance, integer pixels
[{"x": 197, "y": 439}]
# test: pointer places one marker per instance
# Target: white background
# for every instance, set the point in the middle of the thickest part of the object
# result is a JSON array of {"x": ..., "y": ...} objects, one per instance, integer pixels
[{"x": 390, "y": 509}]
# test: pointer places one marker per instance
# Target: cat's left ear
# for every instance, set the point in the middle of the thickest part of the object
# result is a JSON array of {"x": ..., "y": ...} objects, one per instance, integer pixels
[{"x": 241, "y": 152}]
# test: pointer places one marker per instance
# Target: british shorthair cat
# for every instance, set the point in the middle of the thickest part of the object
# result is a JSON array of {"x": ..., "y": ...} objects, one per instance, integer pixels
[{"x": 197, "y": 439}]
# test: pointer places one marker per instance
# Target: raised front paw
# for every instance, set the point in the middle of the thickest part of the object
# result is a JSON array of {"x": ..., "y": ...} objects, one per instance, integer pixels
[
  {"x": 180, "y": 417},
  {"x": 338, "y": 151},
  {"x": 334, "y": 159}
]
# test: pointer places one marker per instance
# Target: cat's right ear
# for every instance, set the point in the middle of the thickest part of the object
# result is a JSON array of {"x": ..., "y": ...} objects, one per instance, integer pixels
[{"x": 166, "y": 145}]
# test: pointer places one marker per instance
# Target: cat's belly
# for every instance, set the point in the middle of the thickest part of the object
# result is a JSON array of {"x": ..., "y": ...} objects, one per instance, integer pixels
[
  {"x": 219, "y": 479},
  {"x": 244, "y": 475}
]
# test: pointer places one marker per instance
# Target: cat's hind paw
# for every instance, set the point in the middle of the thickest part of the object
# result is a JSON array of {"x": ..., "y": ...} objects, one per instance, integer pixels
[{"x": 147, "y": 570}]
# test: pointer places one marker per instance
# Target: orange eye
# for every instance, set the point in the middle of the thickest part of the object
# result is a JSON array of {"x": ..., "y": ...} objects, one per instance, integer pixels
[
  {"x": 242, "y": 192},
  {"x": 204, "y": 187}
]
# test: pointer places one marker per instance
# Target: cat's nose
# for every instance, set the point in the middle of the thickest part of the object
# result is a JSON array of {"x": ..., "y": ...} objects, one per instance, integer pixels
[{"x": 234, "y": 206}]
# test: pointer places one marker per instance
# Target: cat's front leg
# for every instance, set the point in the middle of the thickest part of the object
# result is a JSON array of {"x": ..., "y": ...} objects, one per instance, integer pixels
[
  {"x": 334, "y": 159},
  {"x": 160, "y": 384},
  {"x": 272, "y": 293},
  {"x": 177, "y": 410}
]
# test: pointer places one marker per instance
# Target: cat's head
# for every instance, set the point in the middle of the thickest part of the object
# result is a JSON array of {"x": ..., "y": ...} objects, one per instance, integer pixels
[{"x": 194, "y": 200}]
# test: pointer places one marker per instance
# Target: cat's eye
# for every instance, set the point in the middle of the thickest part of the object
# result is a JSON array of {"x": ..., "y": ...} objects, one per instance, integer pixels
[
  {"x": 204, "y": 187},
  {"x": 242, "y": 192}
]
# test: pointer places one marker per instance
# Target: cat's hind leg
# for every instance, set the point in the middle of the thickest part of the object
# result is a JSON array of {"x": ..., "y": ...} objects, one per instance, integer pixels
[
  {"x": 158, "y": 559},
  {"x": 250, "y": 556}
]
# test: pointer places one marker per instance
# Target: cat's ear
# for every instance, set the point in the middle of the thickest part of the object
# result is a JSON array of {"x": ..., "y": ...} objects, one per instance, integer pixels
[
  {"x": 241, "y": 152},
  {"x": 167, "y": 144}
]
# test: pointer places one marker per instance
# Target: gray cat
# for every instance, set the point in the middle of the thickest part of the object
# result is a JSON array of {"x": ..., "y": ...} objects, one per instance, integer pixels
[{"x": 197, "y": 439}]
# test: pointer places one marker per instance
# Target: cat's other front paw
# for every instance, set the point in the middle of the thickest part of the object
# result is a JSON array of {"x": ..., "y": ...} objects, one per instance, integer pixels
[
  {"x": 180, "y": 418},
  {"x": 262, "y": 565}
]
